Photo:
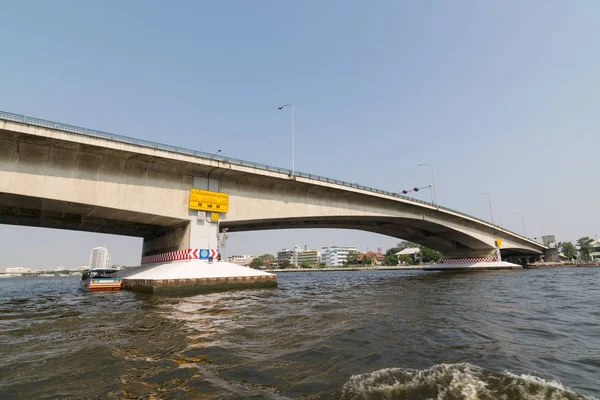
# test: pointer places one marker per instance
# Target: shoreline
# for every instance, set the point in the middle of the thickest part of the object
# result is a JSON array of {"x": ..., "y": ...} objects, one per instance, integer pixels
[
  {"x": 382, "y": 268},
  {"x": 341, "y": 269},
  {"x": 561, "y": 265}
]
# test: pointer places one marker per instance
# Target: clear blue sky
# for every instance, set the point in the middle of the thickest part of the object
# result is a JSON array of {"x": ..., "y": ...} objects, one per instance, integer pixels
[{"x": 501, "y": 97}]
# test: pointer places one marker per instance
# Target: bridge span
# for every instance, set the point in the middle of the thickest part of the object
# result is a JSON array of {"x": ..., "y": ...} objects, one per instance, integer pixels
[{"x": 62, "y": 176}]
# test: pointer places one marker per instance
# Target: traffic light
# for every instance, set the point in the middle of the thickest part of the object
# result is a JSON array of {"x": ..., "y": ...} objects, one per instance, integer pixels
[{"x": 416, "y": 189}]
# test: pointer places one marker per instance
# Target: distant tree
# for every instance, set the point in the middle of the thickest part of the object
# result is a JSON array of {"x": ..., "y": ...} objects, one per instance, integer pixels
[
  {"x": 352, "y": 258},
  {"x": 285, "y": 265},
  {"x": 265, "y": 260},
  {"x": 256, "y": 263},
  {"x": 390, "y": 256},
  {"x": 392, "y": 251},
  {"x": 428, "y": 255},
  {"x": 369, "y": 259},
  {"x": 268, "y": 259},
  {"x": 404, "y": 259},
  {"x": 568, "y": 249},
  {"x": 322, "y": 265},
  {"x": 586, "y": 247},
  {"x": 304, "y": 264},
  {"x": 405, "y": 244}
]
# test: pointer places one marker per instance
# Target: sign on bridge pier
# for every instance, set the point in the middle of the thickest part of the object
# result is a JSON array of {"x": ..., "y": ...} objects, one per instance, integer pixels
[{"x": 208, "y": 201}]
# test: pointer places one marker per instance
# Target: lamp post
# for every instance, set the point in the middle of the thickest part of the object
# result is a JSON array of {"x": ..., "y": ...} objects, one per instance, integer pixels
[
  {"x": 292, "y": 107},
  {"x": 490, "y": 204},
  {"x": 522, "y": 222},
  {"x": 214, "y": 155},
  {"x": 416, "y": 189},
  {"x": 432, "y": 182}
]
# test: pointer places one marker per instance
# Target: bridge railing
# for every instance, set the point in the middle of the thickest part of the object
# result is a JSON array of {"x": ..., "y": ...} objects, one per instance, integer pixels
[{"x": 234, "y": 161}]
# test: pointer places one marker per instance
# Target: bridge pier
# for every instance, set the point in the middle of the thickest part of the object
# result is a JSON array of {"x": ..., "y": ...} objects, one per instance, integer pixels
[
  {"x": 166, "y": 240},
  {"x": 199, "y": 233},
  {"x": 490, "y": 260},
  {"x": 203, "y": 232},
  {"x": 171, "y": 259},
  {"x": 552, "y": 255}
]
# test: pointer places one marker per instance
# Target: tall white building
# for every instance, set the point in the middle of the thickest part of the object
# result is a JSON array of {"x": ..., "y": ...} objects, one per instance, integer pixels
[
  {"x": 335, "y": 256},
  {"x": 99, "y": 258}
]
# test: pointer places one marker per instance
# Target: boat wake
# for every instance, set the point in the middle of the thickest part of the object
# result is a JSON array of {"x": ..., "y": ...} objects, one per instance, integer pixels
[{"x": 453, "y": 381}]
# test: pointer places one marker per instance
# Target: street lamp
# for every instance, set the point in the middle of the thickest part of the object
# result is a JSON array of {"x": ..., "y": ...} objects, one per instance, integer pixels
[
  {"x": 292, "y": 107},
  {"x": 214, "y": 155},
  {"x": 489, "y": 203},
  {"x": 416, "y": 189},
  {"x": 522, "y": 222},
  {"x": 432, "y": 182}
]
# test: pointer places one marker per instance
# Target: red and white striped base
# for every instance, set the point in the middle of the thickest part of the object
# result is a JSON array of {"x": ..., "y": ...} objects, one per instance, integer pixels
[
  {"x": 189, "y": 254},
  {"x": 464, "y": 260}
]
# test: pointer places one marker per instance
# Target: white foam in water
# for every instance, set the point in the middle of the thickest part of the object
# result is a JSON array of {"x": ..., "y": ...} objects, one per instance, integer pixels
[
  {"x": 453, "y": 381},
  {"x": 537, "y": 380}
]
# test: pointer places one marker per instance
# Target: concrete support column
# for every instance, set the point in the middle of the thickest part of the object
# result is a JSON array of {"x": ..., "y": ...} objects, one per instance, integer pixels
[
  {"x": 198, "y": 233},
  {"x": 204, "y": 233},
  {"x": 552, "y": 255},
  {"x": 471, "y": 253},
  {"x": 167, "y": 240}
]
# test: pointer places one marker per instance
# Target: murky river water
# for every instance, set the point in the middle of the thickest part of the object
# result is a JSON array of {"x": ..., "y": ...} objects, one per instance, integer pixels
[{"x": 532, "y": 334}]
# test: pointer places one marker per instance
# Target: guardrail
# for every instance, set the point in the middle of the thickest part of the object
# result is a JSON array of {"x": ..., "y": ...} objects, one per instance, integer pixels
[{"x": 180, "y": 150}]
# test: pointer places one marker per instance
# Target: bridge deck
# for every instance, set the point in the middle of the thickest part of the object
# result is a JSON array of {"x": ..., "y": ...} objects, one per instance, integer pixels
[{"x": 6, "y": 116}]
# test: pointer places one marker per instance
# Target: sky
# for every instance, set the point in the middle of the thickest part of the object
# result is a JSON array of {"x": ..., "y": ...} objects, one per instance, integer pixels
[{"x": 500, "y": 97}]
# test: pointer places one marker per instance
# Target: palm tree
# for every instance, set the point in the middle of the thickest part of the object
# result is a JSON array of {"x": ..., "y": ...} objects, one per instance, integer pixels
[{"x": 585, "y": 247}]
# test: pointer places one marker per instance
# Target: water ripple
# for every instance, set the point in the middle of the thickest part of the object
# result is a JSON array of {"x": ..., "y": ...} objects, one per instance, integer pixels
[{"x": 350, "y": 335}]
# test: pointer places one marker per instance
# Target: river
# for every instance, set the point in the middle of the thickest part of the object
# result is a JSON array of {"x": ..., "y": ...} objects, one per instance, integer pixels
[{"x": 532, "y": 334}]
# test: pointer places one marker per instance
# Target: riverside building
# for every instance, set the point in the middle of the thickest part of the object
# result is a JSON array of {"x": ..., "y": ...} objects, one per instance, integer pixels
[{"x": 335, "y": 256}]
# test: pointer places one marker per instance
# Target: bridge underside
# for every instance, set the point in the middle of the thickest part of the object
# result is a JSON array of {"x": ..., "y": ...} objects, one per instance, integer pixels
[
  {"x": 518, "y": 253},
  {"x": 163, "y": 234},
  {"x": 449, "y": 242},
  {"x": 48, "y": 213}
]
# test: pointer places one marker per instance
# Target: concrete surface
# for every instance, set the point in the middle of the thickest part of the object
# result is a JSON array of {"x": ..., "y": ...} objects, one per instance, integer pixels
[
  {"x": 473, "y": 266},
  {"x": 194, "y": 276},
  {"x": 58, "y": 179}
]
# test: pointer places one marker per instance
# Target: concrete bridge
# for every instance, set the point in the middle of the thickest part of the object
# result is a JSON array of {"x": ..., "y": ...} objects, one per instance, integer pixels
[{"x": 62, "y": 176}]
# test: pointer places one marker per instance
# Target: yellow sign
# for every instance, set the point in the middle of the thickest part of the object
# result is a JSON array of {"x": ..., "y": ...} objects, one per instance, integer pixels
[
  {"x": 498, "y": 242},
  {"x": 208, "y": 201},
  {"x": 214, "y": 217}
]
